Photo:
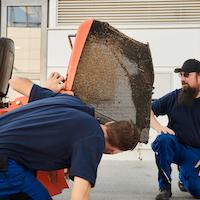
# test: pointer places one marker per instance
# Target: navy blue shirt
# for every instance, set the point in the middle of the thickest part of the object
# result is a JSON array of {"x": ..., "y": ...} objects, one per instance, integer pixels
[
  {"x": 183, "y": 120},
  {"x": 53, "y": 131}
]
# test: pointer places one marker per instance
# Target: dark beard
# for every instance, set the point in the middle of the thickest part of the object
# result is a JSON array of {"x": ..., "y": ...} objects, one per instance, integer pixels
[{"x": 186, "y": 96}]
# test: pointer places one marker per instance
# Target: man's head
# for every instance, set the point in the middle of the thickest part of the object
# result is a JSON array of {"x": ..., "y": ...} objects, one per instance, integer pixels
[
  {"x": 120, "y": 136},
  {"x": 190, "y": 79}
]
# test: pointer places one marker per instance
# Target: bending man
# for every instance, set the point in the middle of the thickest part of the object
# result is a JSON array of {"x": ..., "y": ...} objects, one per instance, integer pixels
[{"x": 55, "y": 131}]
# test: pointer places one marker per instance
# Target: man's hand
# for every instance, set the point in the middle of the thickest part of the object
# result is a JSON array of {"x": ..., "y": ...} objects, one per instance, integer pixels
[
  {"x": 198, "y": 165},
  {"x": 164, "y": 129},
  {"x": 55, "y": 82},
  {"x": 154, "y": 123}
]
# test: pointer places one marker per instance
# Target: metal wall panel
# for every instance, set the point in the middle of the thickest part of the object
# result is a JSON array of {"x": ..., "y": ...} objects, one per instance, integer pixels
[{"x": 128, "y": 11}]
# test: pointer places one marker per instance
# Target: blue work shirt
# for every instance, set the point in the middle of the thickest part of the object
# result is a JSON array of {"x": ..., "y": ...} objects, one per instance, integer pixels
[
  {"x": 183, "y": 120},
  {"x": 54, "y": 131}
]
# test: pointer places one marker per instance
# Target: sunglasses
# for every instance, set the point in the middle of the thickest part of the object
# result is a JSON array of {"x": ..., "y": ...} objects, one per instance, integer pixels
[{"x": 184, "y": 74}]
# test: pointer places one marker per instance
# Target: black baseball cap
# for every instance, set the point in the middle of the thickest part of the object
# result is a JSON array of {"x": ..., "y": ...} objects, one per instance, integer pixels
[{"x": 191, "y": 65}]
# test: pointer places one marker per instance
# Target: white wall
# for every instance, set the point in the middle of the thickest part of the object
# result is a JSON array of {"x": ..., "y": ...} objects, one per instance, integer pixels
[
  {"x": 169, "y": 47},
  {"x": 58, "y": 51}
]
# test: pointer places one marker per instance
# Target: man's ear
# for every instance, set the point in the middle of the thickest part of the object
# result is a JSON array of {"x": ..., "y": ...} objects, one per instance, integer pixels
[
  {"x": 116, "y": 150},
  {"x": 198, "y": 79},
  {"x": 107, "y": 123}
]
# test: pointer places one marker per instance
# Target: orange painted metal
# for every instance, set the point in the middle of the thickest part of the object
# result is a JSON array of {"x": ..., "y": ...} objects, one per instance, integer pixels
[
  {"x": 3, "y": 111},
  {"x": 20, "y": 101},
  {"x": 79, "y": 43},
  {"x": 56, "y": 185}
]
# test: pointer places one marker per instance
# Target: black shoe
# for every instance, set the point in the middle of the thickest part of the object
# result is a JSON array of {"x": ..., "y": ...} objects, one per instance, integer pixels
[
  {"x": 164, "y": 195},
  {"x": 181, "y": 187}
]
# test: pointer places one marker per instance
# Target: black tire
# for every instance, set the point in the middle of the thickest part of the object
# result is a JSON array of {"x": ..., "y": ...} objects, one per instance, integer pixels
[{"x": 6, "y": 64}]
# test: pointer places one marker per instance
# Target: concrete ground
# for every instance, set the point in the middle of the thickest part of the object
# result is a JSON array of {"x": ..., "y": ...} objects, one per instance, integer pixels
[{"x": 128, "y": 180}]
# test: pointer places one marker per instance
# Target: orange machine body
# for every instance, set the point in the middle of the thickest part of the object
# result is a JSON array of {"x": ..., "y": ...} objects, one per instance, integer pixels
[{"x": 79, "y": 43}]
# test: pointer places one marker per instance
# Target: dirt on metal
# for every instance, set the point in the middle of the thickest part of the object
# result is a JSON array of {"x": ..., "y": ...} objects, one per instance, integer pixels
[{"x": 115, "y": 74}]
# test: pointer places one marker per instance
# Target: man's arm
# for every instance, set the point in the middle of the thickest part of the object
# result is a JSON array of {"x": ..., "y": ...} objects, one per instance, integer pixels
[
  {"x": 154, "y": 123},
  {"x": 197, "y": 166},
  {"x": 81, "y": 189},
  {"x": 21, "y": 85},
  {"x": 24, "y": 85}
]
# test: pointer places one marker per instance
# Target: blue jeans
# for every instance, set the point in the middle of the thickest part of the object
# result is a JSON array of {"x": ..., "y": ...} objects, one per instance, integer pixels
[
  {"x": 169, "y": 150},
  {"x": 19, "y": 179}
]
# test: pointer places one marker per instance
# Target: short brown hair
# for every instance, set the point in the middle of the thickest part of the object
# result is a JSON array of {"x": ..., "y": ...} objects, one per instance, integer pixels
[{"x": 123, "y": 134}]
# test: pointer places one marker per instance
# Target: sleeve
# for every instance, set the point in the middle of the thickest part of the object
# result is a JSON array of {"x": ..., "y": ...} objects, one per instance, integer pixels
[
  {"x": 86, "y": 158},
  {"x": 164, "y": 105},
  {"x": 38, "y": 92}
]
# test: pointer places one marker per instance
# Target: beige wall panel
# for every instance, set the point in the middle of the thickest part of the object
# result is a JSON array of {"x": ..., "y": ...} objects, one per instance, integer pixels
[
  {"x": 21, "y": 44},
  {"x": 18, "y": 32},
  {"x": 21, "y": 65},
  {"x": 34, "y": 44},
  {"x": 34, "y": 66},
  {"x": 35, "y": 32},
  {"x": 28, "y": 49},
  {"x": 21, "y": 55},
  {"x": 35, "y": 55}
]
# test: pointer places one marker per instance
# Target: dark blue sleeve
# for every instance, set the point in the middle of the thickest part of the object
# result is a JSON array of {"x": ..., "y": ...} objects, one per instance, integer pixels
[
  {"x": 164, "y": 105},
  {"x": 85, "y": 159},
  {"x": 38, "y": 92}
]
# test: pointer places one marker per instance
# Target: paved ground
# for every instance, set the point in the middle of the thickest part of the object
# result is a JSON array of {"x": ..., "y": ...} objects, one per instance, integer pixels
[{"x": 128, "y": 180}]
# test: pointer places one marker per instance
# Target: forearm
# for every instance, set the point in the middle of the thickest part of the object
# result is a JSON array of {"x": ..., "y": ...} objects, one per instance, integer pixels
[
  {"x": 81, "y": 189},
  {"x": 154, "y": 122},
  {"x": 21, "y": 85},
  {"x": 197, "y": 166},
  {"x": 79, "y": 196}
]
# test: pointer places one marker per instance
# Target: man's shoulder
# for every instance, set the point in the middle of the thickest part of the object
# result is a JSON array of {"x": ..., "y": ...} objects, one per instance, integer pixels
[
  {"x": 96, "y": 139},
  {"x": 168, "y": 100},
  {"x": 175, "y": 92},
  {"x": 172, "y": 96},
  {"x": 97, "y": 135}
]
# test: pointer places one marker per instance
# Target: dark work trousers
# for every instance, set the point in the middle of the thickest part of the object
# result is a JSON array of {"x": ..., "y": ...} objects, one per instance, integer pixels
[
  {"x": 15, "y": 178},
  {"x": 169, "y": 150}
]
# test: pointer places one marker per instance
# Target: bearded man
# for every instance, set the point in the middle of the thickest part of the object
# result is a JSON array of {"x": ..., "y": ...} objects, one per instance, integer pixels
[{"x": 179, "y": 142}]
